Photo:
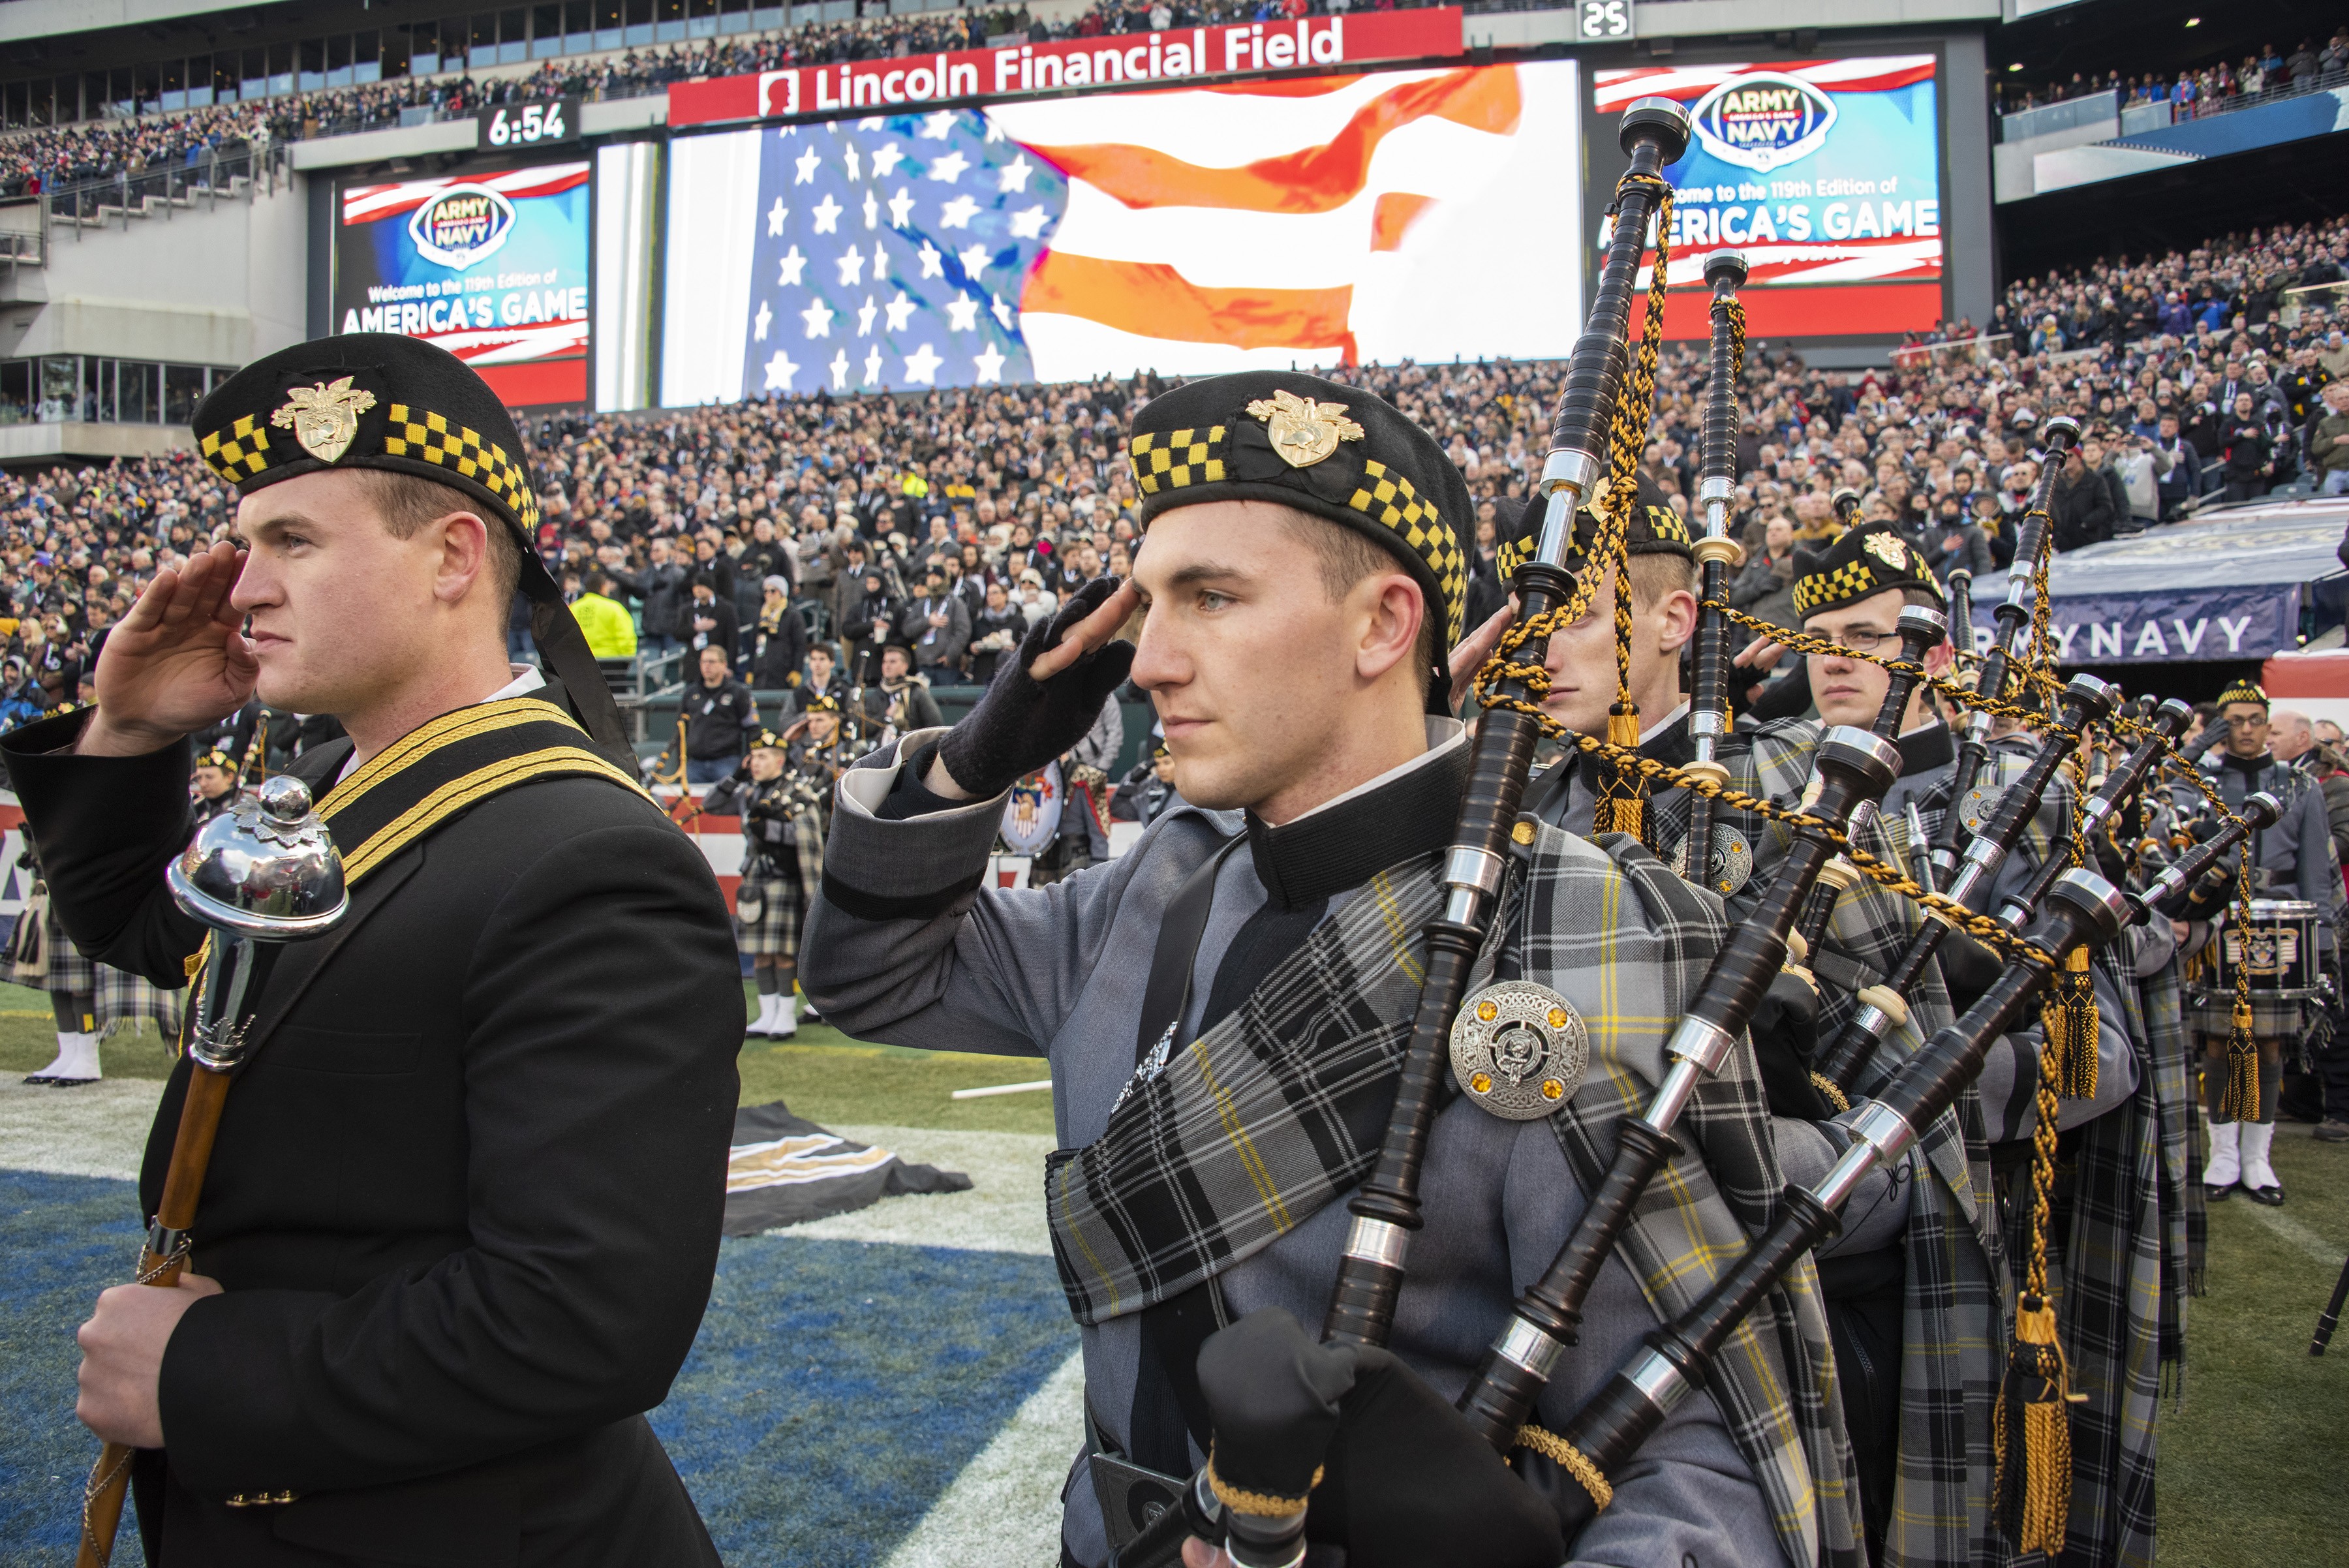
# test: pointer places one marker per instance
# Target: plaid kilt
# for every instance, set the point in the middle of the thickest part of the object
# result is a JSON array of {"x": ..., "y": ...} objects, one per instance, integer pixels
[
  {"x": 120, "y": 998},
  {"x": 776, "y": 933},
  {"x": 2211, "y": 1016}
]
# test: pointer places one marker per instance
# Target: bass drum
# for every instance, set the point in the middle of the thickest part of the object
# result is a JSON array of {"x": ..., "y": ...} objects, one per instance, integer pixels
[{"x": 2278, "y": 947}]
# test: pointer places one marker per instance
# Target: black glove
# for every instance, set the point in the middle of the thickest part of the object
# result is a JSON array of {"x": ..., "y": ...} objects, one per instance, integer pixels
[
  {"x": 1785, "y": 1032},
  {"x": 1021, "y": 724}
]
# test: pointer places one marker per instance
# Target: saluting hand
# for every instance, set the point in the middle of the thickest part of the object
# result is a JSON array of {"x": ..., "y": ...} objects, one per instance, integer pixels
[{"x": 177, "y": 662}]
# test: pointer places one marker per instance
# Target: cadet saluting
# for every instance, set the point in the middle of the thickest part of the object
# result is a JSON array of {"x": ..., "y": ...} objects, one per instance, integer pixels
[{"x": 462, "y": 1217}]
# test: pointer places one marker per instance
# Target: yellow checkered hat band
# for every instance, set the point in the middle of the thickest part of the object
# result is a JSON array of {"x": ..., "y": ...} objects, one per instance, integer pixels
[
  {"x": 1388, "y": 499},
  {"x": 238, "y": 453},
  {"x": 1849, "y": 581},
  {"x": 1177, "y": 460},
  {"x": 418, "y": 433}
]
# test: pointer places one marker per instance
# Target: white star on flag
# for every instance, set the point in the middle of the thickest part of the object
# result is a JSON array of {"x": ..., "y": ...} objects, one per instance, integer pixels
[
  {"x": 849, "y": 156},
  {"x": 885, "y": 161},
  {"x": 827, "y": 215},
  {"x": 839, "y": 369},
  {"x": 901, "y": 310},
  {"x": 934, "y": 261},
  {"x": 865, "y": 315},
  {"x": 851, "y": 267},
  {"x": 818, "y": 317},
  {"x": 880, "y": 263},
  {"x": 870, "y": 122},
  {"x": 1030, "y": 224},
  {"x": 973, "y": 257},
  {"x": 779, "y": 372},
  {"x": 808, "y": 162},
  {"x": 1002, "y": 311},
  {"x": 922, "y": 365},
  {"x": 795, "y": 264},
  {"x": 962, "y": 314},
  {"x": 1015, "y": 174},
  {"x": 872, "y": 366},
  {"x": 937, "y": 126},
  {"x": 957, "y": 214},
  {"x": 775, "y": 216},
  {"x": 948, "y": 169},
  {"x": 990, "y": 365},
  {"x": 766, "y": 315},
  {"x": 994, "y": 132},
  {"x": 872, "y": 210},
  {"x": 901, "y": 207}
]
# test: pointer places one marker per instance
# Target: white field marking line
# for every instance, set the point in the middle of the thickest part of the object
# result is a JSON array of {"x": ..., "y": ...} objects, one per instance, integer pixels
[
  {"x": 1003, "y": 1212},
  {"x": 2298, "y": 1234},
  {"x": 981, "y": 1094},
  {"x": 1005, "y": 1506}
]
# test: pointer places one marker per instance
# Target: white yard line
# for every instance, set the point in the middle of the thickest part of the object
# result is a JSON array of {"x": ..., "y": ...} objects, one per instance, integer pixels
[
  {"x": 2293, "y": 1231},
  {"x": 1005, "y": 1506},
  {"x": 97, "y": 1129}
]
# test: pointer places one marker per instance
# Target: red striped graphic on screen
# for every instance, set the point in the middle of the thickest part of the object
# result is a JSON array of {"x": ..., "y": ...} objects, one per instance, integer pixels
[{"x": 1193, "y": 233}]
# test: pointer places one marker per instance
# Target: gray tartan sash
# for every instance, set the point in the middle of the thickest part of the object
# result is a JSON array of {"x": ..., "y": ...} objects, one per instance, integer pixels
[{"x": 1257, "y": 1124}]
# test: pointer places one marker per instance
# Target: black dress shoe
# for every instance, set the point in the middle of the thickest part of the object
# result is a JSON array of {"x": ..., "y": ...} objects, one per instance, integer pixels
[
  {"x": 2215, "y": 1194},
  {"x": 2273, "y": 1197}
]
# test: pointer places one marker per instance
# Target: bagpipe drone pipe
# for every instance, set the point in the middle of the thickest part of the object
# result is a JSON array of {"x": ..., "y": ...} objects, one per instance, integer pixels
[
  {"x": 1716, "y": 553},
  {"x": 2016, "y": 617}
]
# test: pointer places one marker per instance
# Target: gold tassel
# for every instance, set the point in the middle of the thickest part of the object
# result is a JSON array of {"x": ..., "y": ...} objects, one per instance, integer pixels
[
  {"x": 2069, "y": 1018},
  {"x": 1621, "y": 806},
  {"x": 2240, "y": 1100},
  {"x": 2031, "y": 1435}
]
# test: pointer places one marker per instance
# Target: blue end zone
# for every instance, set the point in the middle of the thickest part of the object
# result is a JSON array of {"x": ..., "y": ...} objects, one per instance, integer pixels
[{"x": 835, "y": 1391}]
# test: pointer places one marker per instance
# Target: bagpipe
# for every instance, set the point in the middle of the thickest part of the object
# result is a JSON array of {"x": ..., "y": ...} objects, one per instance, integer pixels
[{"x": 1289, "y": 1414}]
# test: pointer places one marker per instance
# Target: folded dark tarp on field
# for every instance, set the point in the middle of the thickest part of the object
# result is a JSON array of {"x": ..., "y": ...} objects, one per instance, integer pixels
[{"x": 783, "y": 1170}]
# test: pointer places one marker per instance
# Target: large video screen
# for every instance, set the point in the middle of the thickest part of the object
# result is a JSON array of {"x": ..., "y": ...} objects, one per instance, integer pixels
[
  {"x": 1310, "y": 223},
  {"x": 493, "y": 267},
  {"x": 1826, "y": 173}
]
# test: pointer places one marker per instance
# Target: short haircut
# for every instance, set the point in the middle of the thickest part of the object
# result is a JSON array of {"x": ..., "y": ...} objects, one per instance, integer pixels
[
  {"x": 1656, "y": 577},
  {"x": 1346, "y": 557},
  {"x": 407, "y": 501}
]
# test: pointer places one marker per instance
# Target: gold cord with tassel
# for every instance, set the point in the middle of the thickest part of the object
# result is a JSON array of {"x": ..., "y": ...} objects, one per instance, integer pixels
[
  {"x": 2068, "y": 1020},
  {"x": 1621, "y": 806},
  {"x": 2030, "y": 1433}
]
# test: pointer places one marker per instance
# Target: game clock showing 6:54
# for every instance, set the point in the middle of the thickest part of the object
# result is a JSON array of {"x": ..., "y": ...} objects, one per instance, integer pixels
[{"x": 536, "y": 123}]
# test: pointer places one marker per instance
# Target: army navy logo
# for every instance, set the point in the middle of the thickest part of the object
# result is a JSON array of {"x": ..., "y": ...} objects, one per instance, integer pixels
[
  {"x": 323, "y": 417},
  {"x": 1519, "y": 1049},
  {"x": 1304, "y": 431},
  {"x": 1726, "y": 868},
  {"x": 462, "y": 225},
  {"x": 1763, "y": 120}
]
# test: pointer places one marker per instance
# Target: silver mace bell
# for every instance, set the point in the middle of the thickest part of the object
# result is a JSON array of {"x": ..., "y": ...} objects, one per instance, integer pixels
[{"x": 265, "y": 871}]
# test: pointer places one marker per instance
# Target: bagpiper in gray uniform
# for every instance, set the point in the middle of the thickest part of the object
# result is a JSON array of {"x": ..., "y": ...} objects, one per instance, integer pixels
[
  {"x": 2293, "y": 860},
  {"x": 1201, "y": 1170}
]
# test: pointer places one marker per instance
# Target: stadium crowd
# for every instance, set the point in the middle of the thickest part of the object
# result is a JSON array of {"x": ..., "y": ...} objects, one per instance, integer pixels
[
  {"x": 2216, "y": 87},
  {"x": 947, "y": 523},
  {"x": 51, "y": 158}
]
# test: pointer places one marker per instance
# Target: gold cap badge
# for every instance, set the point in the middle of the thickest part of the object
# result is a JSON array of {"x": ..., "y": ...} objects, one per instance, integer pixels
[
  {"x": 1304, "y": 431},
  {"x": 323, "y": 417},
  {"x": 1889, "y": 550}
]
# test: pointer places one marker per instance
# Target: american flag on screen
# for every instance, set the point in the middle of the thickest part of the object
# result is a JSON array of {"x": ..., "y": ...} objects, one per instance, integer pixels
[{"x": 1192, "y": 229}]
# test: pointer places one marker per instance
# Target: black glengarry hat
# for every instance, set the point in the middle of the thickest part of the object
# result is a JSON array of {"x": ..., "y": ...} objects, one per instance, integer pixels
[
  {"x": 1654, "y": 529},
  {"x": 378, "y": 400},
  {"x": 1867, "y": 561},
  {"x": 1337, "y": 451}
]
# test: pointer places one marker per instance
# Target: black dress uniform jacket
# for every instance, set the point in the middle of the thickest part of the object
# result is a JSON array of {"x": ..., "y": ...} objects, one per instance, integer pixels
[{"x": 465, "y": 1201}]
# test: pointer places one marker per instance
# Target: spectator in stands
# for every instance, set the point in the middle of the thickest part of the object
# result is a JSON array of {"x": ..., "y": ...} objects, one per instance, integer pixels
[
  {"x": 936, "y": 626},
  {"x": 2082, "y": 506},
  {"x": 2249, "y": 450},
  {"x": 779, "y": 640},
  {"x": 721, "y": 719},
  {"x": 661, "y": 589},
  {"x": 994, "y": 632},
  {"x": 713, "y": 619},
  {"x": 2328, "y": 445},
  {"x": 822, "y": 679},
  {"x": 610, "y": 630}
]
